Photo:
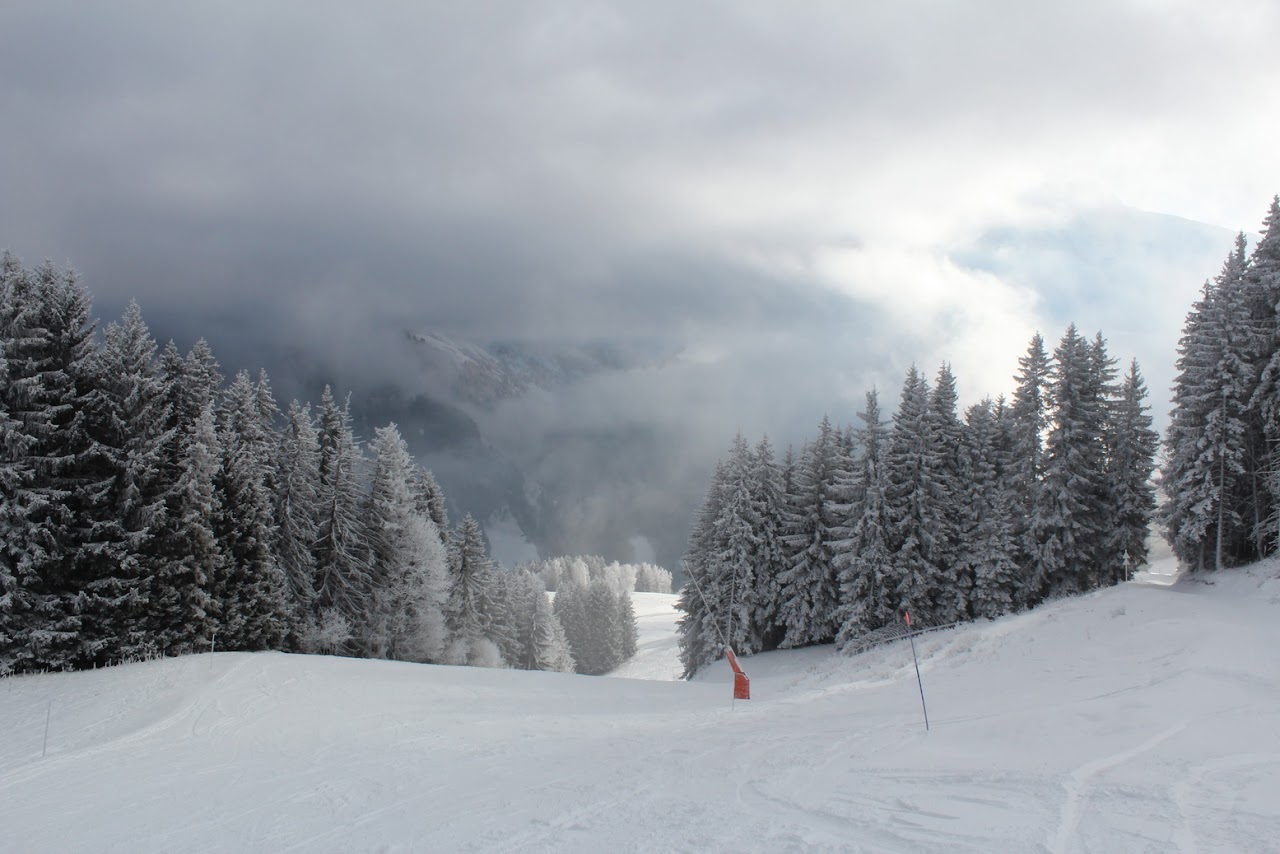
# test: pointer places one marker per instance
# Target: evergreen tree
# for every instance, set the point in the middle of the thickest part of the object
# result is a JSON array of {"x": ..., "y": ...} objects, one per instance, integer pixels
[
  {"x": 916, "y": 495},
  {"x": 429, "y": 499},
  {"x": 470, "y": 579},
  {"x": 769, "y": 509},
  {"x": 549, "y": 649},
  {"x": 988, "y": 544},
  {"x": 183, "y": 614},
  {"x": 700, "y": 633},
  {"x": 1069, "y": 517},
  {"x": 946, "y": 432},
  {"x": 1130, "y": 463},
  {"x": 736, "y": 544},
  {"x": 409, "y": 564},
  {"x": 862, "y": 561},
  {"x": 625, "y": 634},
  {"x": 571, "y": 612},
  {"x": 1108, "y": 555},
  {"x": 343, "y": 581},
  {"x": 297, "y": 512},
  {"x": 1261, "y": 283},
  {"x": 1027, "y": 424},
  {"x": 48, "y": 351},
  {"x": 126, "y": 417},
  {"x": 595, "y": 643},
  {"x": 808, "y": 586},
  {"x": 256, "y": 612}
]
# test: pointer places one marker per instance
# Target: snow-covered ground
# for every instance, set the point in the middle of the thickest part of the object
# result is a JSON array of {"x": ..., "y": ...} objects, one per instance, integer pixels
[{"x": 1140, "y": 718}]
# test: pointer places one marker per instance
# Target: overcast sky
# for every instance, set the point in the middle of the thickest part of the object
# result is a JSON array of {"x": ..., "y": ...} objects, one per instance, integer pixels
[{"x": 802, "y": 196}]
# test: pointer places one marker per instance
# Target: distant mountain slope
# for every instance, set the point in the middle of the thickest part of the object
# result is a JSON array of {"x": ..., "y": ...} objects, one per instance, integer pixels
[
  {"x": 485, "y": 375},
  {"x": 1137, "y": 718}
]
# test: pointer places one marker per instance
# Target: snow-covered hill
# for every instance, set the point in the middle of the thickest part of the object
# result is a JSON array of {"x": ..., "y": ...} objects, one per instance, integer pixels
[{"x": 1139, "y": 718}]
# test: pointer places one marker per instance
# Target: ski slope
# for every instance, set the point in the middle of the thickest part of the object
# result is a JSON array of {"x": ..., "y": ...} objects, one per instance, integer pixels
[{"x": 1141, "y": 718}]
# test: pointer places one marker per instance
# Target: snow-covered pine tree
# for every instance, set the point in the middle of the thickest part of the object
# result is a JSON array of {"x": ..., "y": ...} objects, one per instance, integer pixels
[
  {"x": 297, "y": 514},
  {"x": 770, "y": 559},
  {"x": 570, "y": 611},
  {"x": 255, "y": 609},
  {"x": 343, "y": 584},
  {"x": 183, "y": 614},
  {"x": 1261, "y": 284},
  {"x": 809, "y": 594},
  {"x": 626, "y": 635},
  {"x": 470, "y": 576},
  {"x": 1204, "y": 449},
  {"x": 523, "y": 590},
  {"x": 1234, "y": 425},
  {"x": 700, "y": 640},
  {"x": 599, "y": 647},
  {"x": 549, "y": 649},
  {"x": 409, "y": 565},
  {"x": 1027, "y": 424},
  {"x": 201, "y": 385},
  {"x": 505, "y": 604},
  {"x": 862, "y": 562},
  {"x": 1130, "y": 461},
  {"x": 736, "y": 545},
  {"x": 988, "y": 546},
  {"x": 916, "y": 495},
  {"x": 47, "y": 335},
  {"x": 15, "y": 444},
  {"x": 1108, "y": 557},
  {"x": 429, "y": 499},
  {"x": 945, "y": 428},
  {"x": 127, "y": 416},
  {"x": 1068, "y": 520}
]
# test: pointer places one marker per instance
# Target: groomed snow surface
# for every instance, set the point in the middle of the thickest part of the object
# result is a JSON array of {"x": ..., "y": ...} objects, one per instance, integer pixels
[{"x": 1144, "y": 717}]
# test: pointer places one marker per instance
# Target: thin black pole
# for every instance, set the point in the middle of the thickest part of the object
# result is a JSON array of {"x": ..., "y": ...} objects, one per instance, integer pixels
[
  {"x": 44, "y": 749},
  {"x": 911, "y": 634}
]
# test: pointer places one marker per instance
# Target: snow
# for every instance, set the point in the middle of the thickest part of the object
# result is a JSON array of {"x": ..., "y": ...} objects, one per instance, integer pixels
[
  {"x": 1137, "y": 718},
  {"x": 657, "y": 655}
]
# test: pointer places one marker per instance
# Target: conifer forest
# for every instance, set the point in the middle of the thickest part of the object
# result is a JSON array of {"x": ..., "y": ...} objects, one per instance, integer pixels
[
  {"x": 952, "y": 516},
  {"x": 148, "y": 508}
]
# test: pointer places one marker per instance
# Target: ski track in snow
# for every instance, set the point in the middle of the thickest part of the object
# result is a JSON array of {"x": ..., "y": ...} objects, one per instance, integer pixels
[
  {"x": 1079, "y": 780},
  {"x": 1139, "y": 718}
]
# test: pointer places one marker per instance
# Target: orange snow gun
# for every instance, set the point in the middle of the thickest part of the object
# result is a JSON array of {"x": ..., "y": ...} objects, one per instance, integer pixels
[{"x": 741, "y": 684}]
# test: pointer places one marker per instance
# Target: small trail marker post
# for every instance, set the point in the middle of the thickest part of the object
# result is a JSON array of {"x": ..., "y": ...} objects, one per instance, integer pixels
[{"x": 912, "y": 635}]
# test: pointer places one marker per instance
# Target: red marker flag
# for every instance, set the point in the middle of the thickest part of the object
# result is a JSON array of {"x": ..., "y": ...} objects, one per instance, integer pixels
[{"x": 907, "y": 614}]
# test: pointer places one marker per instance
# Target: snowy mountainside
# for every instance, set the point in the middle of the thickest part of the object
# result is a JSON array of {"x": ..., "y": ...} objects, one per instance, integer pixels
[
  {"x": 1137, "y": 718},
  {"x": 485, "y": 375}
]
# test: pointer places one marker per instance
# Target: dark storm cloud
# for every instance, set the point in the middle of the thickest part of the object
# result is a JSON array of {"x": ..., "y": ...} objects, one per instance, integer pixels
[
  {"x": 773, "y": 190},
  {"x": 480, "y": 167}
]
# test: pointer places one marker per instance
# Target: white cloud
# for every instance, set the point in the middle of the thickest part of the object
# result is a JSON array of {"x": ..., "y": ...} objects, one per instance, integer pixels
[{"x": 970, "y": 318}]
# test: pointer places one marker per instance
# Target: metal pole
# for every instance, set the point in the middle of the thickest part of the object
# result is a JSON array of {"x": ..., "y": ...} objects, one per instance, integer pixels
[
  {"x": 47, "y": 715},
  {"x": 915, "y": 658}
]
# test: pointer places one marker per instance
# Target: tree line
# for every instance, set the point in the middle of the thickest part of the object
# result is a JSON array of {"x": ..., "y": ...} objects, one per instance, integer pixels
[
  {"x": 1221, "y": 470},
  {"x": 946, "y": 517},
  {"x": 146, "y": 509}
]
